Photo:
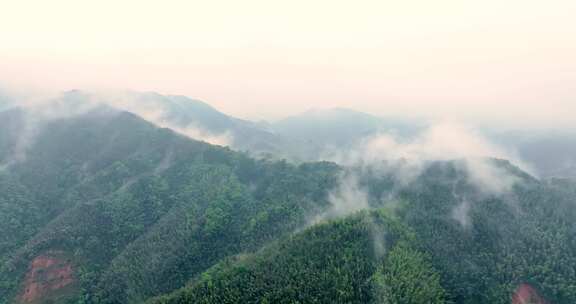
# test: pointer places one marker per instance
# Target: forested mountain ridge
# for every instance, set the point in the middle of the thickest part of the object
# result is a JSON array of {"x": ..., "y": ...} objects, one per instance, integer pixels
[
  {"x": 99, "y": 184},
  {"x": 510, "y": 249},
  {"x": 312, "y": 135},
  {"x": 104, "y": 207},
  {"x": 553, "y": 153},
  {"x": 340, "y": 261},
  {"x": 198, "y": 120},
  {"x": 183, "y": 112}
]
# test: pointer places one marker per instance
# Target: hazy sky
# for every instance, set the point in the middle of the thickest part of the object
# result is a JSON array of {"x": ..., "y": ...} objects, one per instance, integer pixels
[{"x": 502, "y": 61}]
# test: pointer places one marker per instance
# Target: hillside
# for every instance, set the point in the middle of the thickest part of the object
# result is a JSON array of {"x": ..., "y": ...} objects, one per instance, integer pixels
[
  {"x": 312, "y": 135},
  {"x": 511, "y": 249},
  {"x": 105, "y": 186},
  {"x": 184, "y": 113},
  {"x": 195, "y": 119},
  {"x": 552, "y": 153},
  {"x": 334, "y": 262},
  {"x": 101, "y": 206}
]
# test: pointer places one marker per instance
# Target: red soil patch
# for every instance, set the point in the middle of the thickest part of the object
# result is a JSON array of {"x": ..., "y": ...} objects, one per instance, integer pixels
[
  {"x": 48, "y": 274},
  {"x": 526, "y": 294}
]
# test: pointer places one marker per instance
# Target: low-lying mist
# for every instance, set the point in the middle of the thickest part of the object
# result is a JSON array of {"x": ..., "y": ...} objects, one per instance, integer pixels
[{"x": 405, "y": 160}]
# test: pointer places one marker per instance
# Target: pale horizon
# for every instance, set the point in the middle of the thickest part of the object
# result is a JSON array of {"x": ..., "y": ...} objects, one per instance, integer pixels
[{"x": 507, "y": 63}]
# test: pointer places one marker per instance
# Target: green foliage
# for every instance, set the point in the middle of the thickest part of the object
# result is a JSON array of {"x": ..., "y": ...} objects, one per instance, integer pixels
[
  {"x": 524, "y": 236},
  {"x": 142, "y": 209},
  {"x": 328, "y": 263},
  {"x": 406, "y": 277},
  {"x": 144, "y": 212}
]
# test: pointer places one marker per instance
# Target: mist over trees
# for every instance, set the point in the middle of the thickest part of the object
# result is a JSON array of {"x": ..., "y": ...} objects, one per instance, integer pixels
[{"x": 101, "y": 202}]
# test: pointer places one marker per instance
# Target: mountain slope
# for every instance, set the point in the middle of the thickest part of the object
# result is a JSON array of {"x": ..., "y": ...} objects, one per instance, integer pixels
[
  {"x": 312, "y": 135},
  {"x": 100, "y": 206},
  {"x": 335, "y": 262},
  {"x": 107, "y": 184},
  {"x": 418, "y": 249},
  {"x": 552, "y": 153},
  {"x": 198, "y": 120}
]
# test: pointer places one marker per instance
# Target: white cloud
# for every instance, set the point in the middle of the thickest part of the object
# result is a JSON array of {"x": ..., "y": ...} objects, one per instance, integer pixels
[{"x": 406, "y": 158}]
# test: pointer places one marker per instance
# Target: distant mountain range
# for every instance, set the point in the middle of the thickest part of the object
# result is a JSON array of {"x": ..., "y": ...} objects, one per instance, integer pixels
[
  {"x": 104, "y": 207},
  {"x": 552, "y": 153},
  {"x": 308, "y": 136},
  {"x": 98, "y": 205},
  {"x": 338, "y": 126}
]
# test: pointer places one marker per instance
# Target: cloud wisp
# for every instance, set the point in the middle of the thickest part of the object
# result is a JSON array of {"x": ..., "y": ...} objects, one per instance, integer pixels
[
  {"x": 406, "y": 159},
  {"x": 156, "y": 111},
  {"x": 40, "y": 107}
]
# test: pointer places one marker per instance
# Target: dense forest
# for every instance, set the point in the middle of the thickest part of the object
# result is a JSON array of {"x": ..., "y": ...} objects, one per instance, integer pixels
[{"x": 104, "y": 207}]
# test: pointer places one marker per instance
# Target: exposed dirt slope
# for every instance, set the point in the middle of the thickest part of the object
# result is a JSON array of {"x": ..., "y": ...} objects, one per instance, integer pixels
[
  {"x": 50, "y": 277},
  {"x": 526, "y": 294}
]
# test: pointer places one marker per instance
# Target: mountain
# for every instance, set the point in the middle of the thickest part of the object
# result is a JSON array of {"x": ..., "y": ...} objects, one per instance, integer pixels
[
  {"x": 315, "y": 134},
  {"x": 338, "y": 126},
  {"x": 95, "y": 191},
  {"x": 98, "y": 205},
  {"x": 552, "y": 153},
  {"x": 196, "y": 119},
  {"x": 5, "y": 101},
  {"x": 331, "y": 262},
  {"x": 416, "y": 250}
]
